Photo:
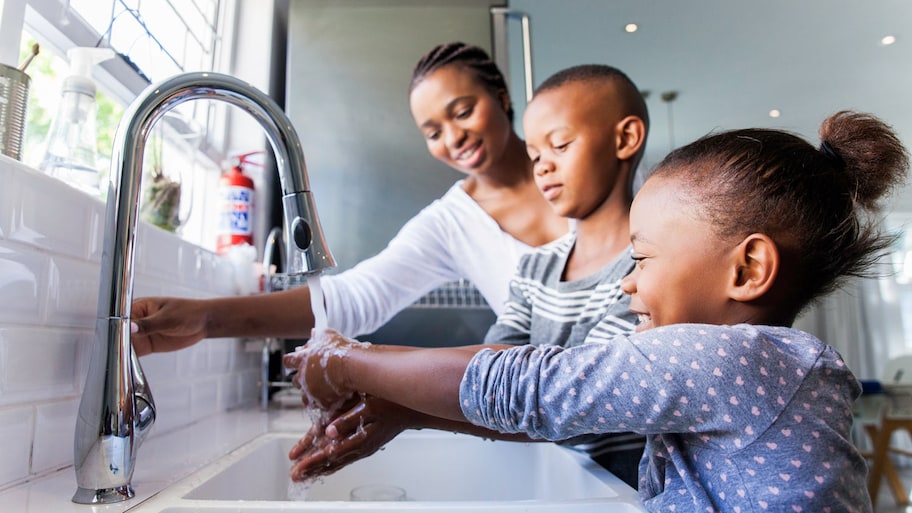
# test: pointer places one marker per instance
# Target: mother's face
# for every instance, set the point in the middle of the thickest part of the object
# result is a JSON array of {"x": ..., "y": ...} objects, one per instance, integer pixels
[{"x": 463, "y": 124}]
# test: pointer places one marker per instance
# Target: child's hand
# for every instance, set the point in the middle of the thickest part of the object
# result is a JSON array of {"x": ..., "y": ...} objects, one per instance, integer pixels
[
  {"x": 320, "y": 371},
  {"x": 362, "y": 428},
  {"x": 314, "y": 454}
]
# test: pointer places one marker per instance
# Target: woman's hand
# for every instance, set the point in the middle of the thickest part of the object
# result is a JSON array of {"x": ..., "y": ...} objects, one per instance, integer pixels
[
  {"x": 366, "y": 425},
  {"x": 163, "y": 324}
]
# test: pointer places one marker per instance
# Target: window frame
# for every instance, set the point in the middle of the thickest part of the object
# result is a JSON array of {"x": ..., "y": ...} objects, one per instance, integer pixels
[
  {"x": 59, "y": 29},
  {"x": 116, "y": 77}
]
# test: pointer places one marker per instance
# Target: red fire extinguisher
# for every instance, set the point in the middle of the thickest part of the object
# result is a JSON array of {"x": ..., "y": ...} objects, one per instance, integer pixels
[{"x": 236, "y": 205}]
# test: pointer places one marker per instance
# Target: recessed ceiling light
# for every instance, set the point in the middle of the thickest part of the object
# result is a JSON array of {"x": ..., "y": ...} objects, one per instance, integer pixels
[
  {"x": 631, "y": 27},
  {"x": 775, "y": 113},
  {"x": 888, "y": 40}
]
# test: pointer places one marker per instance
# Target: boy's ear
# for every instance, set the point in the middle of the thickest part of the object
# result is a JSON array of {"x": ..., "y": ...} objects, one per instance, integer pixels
[
  {"x": 755, "y": 269},
  {"x": 631, "y": 135}
]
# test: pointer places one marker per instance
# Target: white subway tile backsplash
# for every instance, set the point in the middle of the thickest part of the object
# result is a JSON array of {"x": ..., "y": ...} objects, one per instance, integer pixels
[
  {"x": 195, "y": 359},
  {"x": 204, "y": 398},
  {"x": 53, "y": 217},
  {"x": 147, "y": 286},
  {"x": 23, "y": 285},
  {"x": 51, "y": 239},
  {"x": 229, "y": 392},
  {"x": 158, "y": 252},
  {"x": 212, "y": 271},
  {"x": 246, "y": 359},
  {"x": 221, "y": 355},
  {"x": 172, "y": 405},
  {"x": 207, "y": 271},
  {"x": 16, "y": 443},
  {"x": 51, "y": 450},
  {"x": 191, "y": 266},
  {"x": 248, "y": 384},
  {"x": 38, "y": 364},
  {"x": 96, "y": 230},
  {"x": 7, "y": 199},
  {"x": 160, "y": 367},
  {"x": 73, "y": 293}
]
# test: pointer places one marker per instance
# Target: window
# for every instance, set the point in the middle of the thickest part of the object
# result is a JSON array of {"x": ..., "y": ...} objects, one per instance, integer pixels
[
  {"x": 158, "y": 38},
  {"x": 154, "y": 39},
  {"x": 901, "y": 272}
]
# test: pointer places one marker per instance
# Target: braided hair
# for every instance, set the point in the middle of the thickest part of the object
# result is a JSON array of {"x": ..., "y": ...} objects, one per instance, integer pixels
[{"x": 470, "y": 57}]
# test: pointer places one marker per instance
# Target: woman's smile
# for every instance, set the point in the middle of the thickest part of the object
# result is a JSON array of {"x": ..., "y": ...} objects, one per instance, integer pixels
[{"x": 470, "y": 157}]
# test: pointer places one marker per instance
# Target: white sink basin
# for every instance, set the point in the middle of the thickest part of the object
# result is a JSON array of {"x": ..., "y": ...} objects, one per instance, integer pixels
[{"x": 438, "y": 471}]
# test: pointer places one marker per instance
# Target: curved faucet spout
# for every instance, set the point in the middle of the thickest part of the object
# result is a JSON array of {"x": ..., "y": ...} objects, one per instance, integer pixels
[{"x": 117, "y": 408}]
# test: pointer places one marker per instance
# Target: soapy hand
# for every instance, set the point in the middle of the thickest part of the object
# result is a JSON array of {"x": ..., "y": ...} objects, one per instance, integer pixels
[
  {"x": 320, "y": 370},
  {"x": 166, "y": 324},
  {"x": 366, "y": 425}
]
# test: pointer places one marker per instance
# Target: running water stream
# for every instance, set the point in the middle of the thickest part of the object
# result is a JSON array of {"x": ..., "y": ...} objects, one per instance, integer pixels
[
  {"x": 297, "y": 491},
  {"x": 316, "y": 303}
]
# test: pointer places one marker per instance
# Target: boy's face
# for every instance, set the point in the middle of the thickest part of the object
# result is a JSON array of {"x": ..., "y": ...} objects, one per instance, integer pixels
[
  {"x": 682, "y": 269},
  {"x": 463, "y": 125},
  {"x": 571, "y": 138}
]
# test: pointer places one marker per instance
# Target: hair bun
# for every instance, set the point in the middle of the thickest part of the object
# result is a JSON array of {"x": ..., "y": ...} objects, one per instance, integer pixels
[{"x": 873, "y": 159}]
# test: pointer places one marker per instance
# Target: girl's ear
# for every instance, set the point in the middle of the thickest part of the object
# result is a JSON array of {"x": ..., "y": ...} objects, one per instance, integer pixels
[
  {"x": 631, "y": 135},
  {"x": 756, "y": 268}
]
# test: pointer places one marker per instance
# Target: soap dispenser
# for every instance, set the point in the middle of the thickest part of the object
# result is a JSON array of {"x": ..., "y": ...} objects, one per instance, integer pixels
[{"x": 71, "y": 152}]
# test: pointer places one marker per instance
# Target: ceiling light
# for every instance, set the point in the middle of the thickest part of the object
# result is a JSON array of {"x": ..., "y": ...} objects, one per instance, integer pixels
[
  {"x": 631, "y": 27},
  {"x": 888, "y": 40},
  {"x": 775, "y": 113}
]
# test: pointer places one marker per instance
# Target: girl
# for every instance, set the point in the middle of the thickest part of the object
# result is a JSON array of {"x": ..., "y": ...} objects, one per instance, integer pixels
[
  {"x": 732, "y": 236},
  {"x": 478, "y": 230}
]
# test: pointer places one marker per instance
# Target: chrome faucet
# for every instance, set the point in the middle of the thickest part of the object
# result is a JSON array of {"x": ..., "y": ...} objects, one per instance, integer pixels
[{"x": 117, "y": 409}]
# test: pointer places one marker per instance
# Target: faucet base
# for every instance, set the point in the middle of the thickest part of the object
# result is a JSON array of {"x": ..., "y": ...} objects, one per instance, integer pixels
[{"x": 103, "y": 496}]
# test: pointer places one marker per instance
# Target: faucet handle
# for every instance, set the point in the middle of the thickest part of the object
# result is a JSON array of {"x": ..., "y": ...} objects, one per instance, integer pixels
[{"x": 144, "y": 404}]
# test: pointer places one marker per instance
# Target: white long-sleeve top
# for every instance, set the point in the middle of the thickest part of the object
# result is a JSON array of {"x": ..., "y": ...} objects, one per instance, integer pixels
[{"x": 452, "y": 238}]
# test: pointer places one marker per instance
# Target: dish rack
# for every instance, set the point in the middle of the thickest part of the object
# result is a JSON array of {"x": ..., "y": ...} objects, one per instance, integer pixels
[
  {"x": 456, "y": 294},
  {"x": 460, "y": 294}
]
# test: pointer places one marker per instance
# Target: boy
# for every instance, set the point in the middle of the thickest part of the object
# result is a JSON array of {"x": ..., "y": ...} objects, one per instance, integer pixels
[
  {"x": 585, "y": 133},
  {"x": 586, "y": 129}
]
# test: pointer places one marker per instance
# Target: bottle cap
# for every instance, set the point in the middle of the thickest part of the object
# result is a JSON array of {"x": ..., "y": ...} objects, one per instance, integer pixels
[{"x": 81, "y": 61}]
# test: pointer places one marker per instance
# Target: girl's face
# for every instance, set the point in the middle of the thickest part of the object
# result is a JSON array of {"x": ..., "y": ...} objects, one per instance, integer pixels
[
  {"x": 570, "y": 139},
  {"x": 682, "y": 267},
  {"x": 463, "y": 124}
]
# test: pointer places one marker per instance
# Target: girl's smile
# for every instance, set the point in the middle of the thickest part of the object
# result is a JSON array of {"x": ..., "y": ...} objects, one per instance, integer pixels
[{"x": 683, "y": 267}]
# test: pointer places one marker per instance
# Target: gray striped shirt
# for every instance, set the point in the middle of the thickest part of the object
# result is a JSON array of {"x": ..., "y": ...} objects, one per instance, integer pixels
[{"x": 543, "y": 310}]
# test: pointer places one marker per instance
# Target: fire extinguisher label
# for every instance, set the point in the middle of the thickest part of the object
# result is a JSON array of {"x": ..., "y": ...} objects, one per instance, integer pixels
[{"x": 237, "y": 208}]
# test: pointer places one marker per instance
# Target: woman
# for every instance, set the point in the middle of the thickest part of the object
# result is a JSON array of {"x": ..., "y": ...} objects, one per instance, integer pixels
[{"x": 476, "y": 231}]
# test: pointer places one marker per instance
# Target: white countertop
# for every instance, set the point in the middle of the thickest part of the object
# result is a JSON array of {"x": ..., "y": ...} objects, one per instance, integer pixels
[{"x": 163, "y": 459}]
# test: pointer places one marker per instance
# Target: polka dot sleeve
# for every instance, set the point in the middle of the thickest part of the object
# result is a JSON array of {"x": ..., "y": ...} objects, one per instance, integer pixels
[{"x": 686, "y": 378}]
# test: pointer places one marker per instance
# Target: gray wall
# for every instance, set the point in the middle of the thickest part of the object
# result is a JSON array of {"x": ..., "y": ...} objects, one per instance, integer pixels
[
  {"x": 349, "y": 67},
  {"x": 732, "y": 62}
]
